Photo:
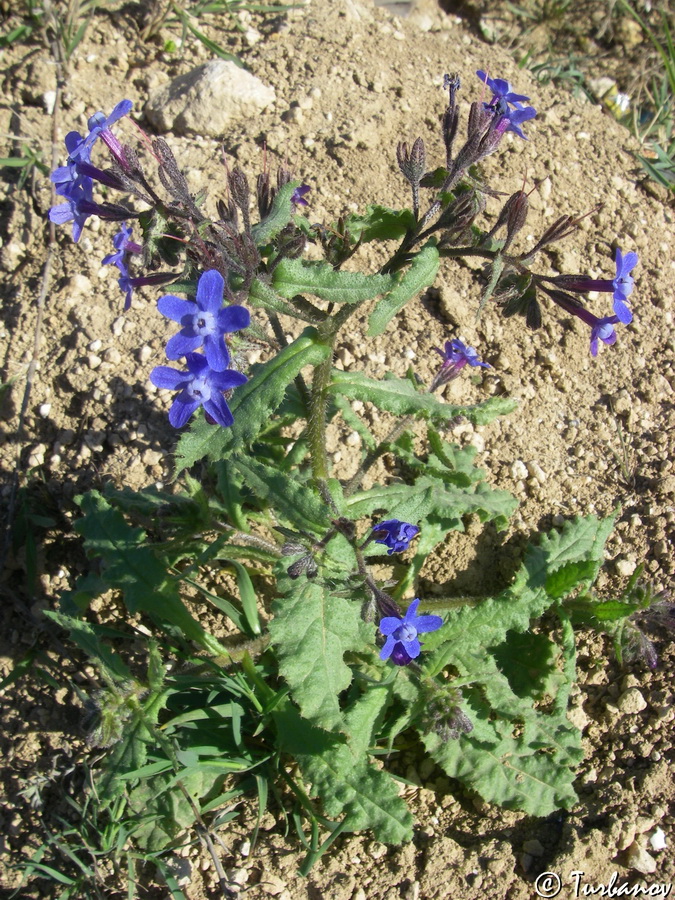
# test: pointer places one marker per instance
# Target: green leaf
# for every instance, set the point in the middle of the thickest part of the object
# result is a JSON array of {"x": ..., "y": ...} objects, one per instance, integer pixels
[
  {"x": 486, "y": 624},
  {"x": 412, "y": 503},
  {"x": 87, "y": 639},
  {"x": 297, "y": 276},
  {"x": 398, "y": 395},
  {"x": 528, "y": 661},
  {"x": 311, "y": 632},
  {"x": 292, "y": 500},
  {"x": 568, "y": 577},
  {"x": 263, "y": 296},
  {"x": 347, "y": 782},
  {"x": 420, "y": 275},
  {"x": 518, "y": 765},
  {"x": 278, "y": 217},
  {"x": 131, "y": 566},
  {"x": 252, "y": 404},
  {"x": 379, "y": 224}
]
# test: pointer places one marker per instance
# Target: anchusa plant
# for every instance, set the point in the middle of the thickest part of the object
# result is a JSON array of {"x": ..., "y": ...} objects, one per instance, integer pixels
[{"x": 330, "y": 650}]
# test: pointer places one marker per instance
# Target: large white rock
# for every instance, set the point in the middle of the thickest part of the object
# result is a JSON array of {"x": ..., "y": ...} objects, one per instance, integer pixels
[{"x": 208, "y": 99}]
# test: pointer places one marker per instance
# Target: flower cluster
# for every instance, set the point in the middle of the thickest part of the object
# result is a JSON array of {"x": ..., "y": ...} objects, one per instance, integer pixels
[
  {"x": 205, "y": 323},
  {"x": 75, "y": 180}
]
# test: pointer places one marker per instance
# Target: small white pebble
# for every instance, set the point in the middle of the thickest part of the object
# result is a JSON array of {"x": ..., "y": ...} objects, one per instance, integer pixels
[
  {"x": 44, "y": 409},
  {"x": 658, "y": 840},
  {"x": 94, "y": 361},
  {"x": 144, "y": 353},
  {"x": 95, "y": 346}
]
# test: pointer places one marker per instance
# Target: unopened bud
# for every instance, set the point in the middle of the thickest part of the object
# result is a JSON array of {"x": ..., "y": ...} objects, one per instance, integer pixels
[{"x": 413, "y": 164}]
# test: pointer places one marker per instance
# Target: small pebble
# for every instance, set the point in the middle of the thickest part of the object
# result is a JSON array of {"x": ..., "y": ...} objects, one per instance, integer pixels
[
  {"x": 631, "y": 702},
  {"x": 44, "y": 409},
  {"x": 640, "y": 860},
  {"x": 144, "y": 353},
  {"x": 657, "y": 841}
]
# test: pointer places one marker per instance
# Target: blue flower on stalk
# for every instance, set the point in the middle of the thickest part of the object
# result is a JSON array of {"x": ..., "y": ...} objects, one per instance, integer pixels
[
  {"x": 501, "y": 89},
  {"x": 68, "y": 179},
  {"x": 621, "y": 286},
  {"x": 123, "y": 245},
  {"x": 99, "y": 127},
  {"x": 205, "y": 321},
  {"x": 455, "y": 356},
  {"x": 199, "y": 386},
  {"x": 77, "y": 207},
  {"x": 602, "y": 330},
  {"x": 402, "y": 644},
  {"x": 394, "y": 534},
  {"x": 502, "y": 98}
]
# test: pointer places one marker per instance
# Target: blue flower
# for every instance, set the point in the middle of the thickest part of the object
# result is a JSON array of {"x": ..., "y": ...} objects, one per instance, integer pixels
[
  {"x": 603, "y": 330},
  {"x": 455, "y": 357},
  {"x": 205, "y": 322},
  {"x": 76, "y": 209},
  {"x": 199, "y": 386},
  {"x": 502, "y": 98},
  {"x": 623, "y": 284},
  {"x": 99, "y": 127},
  {"x": 394, "y": 534},
  {"x": 298, "y": 195},
  {"x": 123, "y": 245},
  {"x": 402, "y": 643},
  {"x": 501, "y": 89}
]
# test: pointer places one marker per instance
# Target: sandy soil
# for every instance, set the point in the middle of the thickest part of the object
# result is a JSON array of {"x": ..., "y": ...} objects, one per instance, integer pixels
[{"x": 350, "y": 82}]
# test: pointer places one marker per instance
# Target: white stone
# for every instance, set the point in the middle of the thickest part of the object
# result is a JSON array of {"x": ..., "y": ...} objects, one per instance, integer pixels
[
  {"x": 657, "y": 841},
  {"x": 208, "y": 99}
]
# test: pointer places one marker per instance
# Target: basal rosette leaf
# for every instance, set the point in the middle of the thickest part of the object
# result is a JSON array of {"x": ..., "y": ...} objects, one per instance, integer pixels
[
  {"x": 512, "y": 765},
  {"x": 311, "y": 632},
  {"x": 581, "y": 540},
  {"x": 297, "y": 276},
  {"x": 131, "y": 566},
  {"x": 448, "y": 503},
  {"x": 341, "y": 773},
  {"x": 419, "y": 275},
  {"x": 252, "y": 403},
  {"x": 517, "y": 756}
]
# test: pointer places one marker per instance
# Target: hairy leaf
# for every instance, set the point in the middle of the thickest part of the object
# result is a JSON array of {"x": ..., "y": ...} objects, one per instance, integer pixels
[
  {"x": 278, "y": 217},
  {"x": 252, "y": 404},
  {"x": 311, "y": 632},
  {"x": 297, "y": 276},
  {"x": 290, "y": 499},
  {"x": 379, "y": 223},
  {"x": 420, "y": 275},
  {"x": 347, "y": 782},
  {"x": 135, "y": 569},
  {"x": 398, "y": 395}
]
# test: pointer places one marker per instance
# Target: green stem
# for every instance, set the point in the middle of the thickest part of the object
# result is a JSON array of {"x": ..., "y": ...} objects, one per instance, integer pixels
[{"x": 316, "y": 421}]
